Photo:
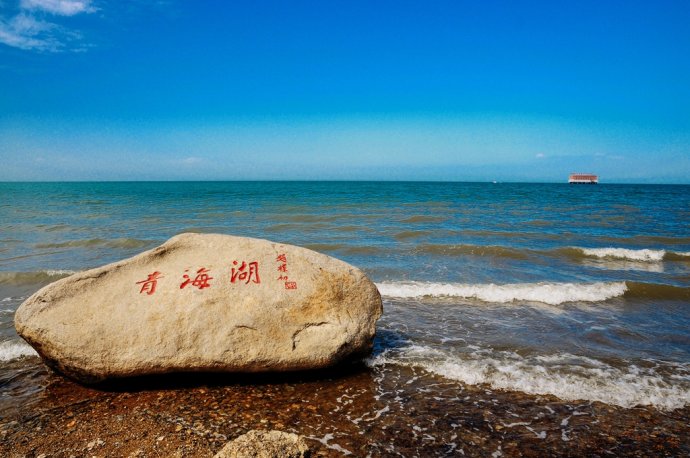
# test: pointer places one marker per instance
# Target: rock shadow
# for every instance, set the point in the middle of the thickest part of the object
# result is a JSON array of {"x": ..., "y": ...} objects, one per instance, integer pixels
[{"x": 187, "y": 380}]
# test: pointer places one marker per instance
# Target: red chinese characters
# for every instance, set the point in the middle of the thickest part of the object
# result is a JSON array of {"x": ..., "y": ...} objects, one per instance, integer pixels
[
  {"x": 245, "y": 272},
  {"x": 201, "y": 280},
  {"x": 281, "y": 259},
  {"x": 148, "y": 286}
]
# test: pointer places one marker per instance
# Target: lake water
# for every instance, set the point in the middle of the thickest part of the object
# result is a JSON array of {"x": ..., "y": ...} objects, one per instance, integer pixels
[{"x": 580, "y": 292}]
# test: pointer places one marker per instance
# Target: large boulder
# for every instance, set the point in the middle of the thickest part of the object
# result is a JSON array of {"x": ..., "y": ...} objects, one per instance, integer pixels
[{"x": 203, "y": 302}]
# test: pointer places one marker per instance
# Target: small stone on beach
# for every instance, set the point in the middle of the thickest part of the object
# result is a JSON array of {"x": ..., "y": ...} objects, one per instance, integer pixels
[{"x": 265, "y": 444}]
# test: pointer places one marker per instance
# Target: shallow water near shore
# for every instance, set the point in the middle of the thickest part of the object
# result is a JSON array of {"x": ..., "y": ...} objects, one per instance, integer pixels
[
  {"x": 349, "y": 411},
  {"x": 511, "y": 299}
]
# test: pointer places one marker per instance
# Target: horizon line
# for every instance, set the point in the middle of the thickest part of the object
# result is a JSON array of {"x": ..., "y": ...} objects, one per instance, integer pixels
[{"x": 337, "y": 181}]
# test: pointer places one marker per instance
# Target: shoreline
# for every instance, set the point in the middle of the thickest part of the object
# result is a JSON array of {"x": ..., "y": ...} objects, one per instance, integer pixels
[{"x": 350, "y": 409}]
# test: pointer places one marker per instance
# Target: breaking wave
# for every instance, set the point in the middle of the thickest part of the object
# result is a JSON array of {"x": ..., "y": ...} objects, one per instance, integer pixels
[
  {"x": 548, "y": 293},
  {"x": 15, "y": 349},
  {"x": 627, "y": 254},
  {"x": 566, "y": 376},
  {"x": 645, "y": 255}
]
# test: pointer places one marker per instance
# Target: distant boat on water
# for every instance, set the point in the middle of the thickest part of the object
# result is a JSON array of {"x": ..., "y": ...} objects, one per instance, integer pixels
[{"x": 583, "y": 178}]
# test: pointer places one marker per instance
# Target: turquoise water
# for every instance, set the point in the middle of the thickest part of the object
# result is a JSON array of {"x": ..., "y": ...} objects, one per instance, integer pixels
[{"x": 582, "y": 292}]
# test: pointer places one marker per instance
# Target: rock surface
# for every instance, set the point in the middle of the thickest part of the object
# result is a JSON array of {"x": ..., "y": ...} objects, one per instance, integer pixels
[
  {"x": 265, "y": 444},
  {"x": 203, "y": 302}
]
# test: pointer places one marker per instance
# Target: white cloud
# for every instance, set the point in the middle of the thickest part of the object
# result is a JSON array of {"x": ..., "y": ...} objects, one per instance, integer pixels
[
  {"x": 540, "y": 155},
  {"x": 27, "y": 31},
  {"x": 59, "y": 7}
]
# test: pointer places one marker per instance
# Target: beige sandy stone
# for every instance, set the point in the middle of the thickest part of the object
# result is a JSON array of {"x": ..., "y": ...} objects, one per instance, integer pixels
[
  {"x": 111, "y": 322},
  {"x": 265, "y": 444}
]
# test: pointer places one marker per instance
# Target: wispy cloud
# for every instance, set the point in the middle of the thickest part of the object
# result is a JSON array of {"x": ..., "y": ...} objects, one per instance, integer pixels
[
  {"x": 30, "y": 31},
  {"x": 27, "y": 32},
  {"x": 59, "y": 7}
]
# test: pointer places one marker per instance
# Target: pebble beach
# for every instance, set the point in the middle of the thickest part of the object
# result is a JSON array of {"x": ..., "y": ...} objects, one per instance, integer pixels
[{"x": 349, "y": 412}]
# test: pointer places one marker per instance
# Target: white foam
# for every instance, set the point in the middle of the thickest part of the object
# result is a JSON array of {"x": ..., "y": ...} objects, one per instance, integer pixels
[
  {"x": 15, "y": 349},
  {"x": 59, "y": 272},
  {"x": 325, "y": 440},
  {"x": 548, "y": 293},
  {"x": 645, "y": 255},
  {"x": 566, "y": 376}
]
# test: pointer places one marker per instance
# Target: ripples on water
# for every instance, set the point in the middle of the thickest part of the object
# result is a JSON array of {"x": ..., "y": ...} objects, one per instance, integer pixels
[{"x": 576, "y": 291}]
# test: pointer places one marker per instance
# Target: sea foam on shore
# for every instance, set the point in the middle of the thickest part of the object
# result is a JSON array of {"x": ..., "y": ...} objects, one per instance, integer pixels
[
  {"x": 566, "y": 376},
  {"x": 545, "y": 292},
  {"x": 15, "y": 349}
]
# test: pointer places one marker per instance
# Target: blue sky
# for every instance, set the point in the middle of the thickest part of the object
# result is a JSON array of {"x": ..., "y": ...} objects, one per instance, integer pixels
[{"x": 511, "y": 91}]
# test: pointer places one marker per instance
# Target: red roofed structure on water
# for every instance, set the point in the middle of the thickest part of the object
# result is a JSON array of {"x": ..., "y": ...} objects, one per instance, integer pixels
[{"x": 583, "y": 178}]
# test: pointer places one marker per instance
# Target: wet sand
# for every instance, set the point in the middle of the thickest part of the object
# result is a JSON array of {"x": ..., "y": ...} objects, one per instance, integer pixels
[{"x": 389, "y": 411}]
